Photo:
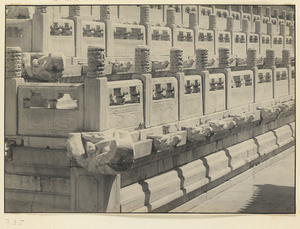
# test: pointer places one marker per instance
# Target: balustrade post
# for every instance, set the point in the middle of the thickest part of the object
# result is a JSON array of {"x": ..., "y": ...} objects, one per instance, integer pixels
[
  {"x": 74, "y": 14},
  {"x": 142, "y": 72},
  {"x": 176, "y": 62},
  {"x": 258, "y": 30},
  {"x": 252, "y": 63},
  {"x": 104, "y": 13},
  {"x": 205, "y": 90},
  {"x": 286, "y": 62},
  {"x": 213, "y": 26},
  {"x": 40, "y": 30},
  {"x": 96, "y": 99},
  {"x": 270, "y": 32},
  {"x": 13, "y": 72},
  {"x": 270, "y": 63}
]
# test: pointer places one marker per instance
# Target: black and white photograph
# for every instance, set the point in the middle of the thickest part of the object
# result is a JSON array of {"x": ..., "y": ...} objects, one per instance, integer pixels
[{"x": 141, "y": 109}]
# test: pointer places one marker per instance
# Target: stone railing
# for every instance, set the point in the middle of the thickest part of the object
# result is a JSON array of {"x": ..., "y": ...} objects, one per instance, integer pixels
[
  {"x": 50, "y": 109},
  {"x": 144, "y": 101},
  {"x": 122, "y": 38},
  {"x": 112, "y": 123}
]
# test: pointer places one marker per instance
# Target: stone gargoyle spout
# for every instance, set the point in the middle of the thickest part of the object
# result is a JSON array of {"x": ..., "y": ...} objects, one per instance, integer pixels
[
  {"x": 108, "y": 152},
  {"x": 47, "y": 68}
]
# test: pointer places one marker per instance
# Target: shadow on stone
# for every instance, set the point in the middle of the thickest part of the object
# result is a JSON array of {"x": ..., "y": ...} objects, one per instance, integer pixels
[{"x": 271, "y": 199}]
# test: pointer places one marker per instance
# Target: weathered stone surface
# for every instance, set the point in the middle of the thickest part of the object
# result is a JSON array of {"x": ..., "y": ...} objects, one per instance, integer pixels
[
  {"x": 251, "y": 58},
  {"x": 142, "y": 59},
  {"x": 198, "y": 133},
  {"x": 13, "y": 63},
  {"x": 96, "y": 65},
  {"x": 245, "y": 25},
  {"x": 118, "y": 66},
  {"x": 193, "y": 20},
  {"x": 286, "y": 57},
  {"x": 287, "y": 108},
  {"x": 201, "y": 59},
  {"x": 104, "y": 13},
  {"x": 144, "y": 14},
  {"x": 223, "y": 57},
  {"x": 212, "y": 21},
  {"x": 108, "y": 152},
  {"x": 166, "y": 141},
  {"x": 42, "y": 67},
  {"x": 221, "y": 125},
  {"x": 229, "y": 23},
  {"x": 243, "y": 119},
  {"x": 269, "y": 114},
  {"x": 74, "y": 11},
  {"x": 270, "y": 58},
  {"x": 176, "y": 61},
  {"x": 170, "y": 16}
]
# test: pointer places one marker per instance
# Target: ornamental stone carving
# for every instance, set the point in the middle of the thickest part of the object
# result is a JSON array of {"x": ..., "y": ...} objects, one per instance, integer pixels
[
  {"x": 43, "y": 68},
  {"x": 108, "y": 152}
]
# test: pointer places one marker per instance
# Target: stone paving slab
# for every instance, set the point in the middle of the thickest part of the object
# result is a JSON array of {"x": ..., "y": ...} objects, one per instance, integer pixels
[{"x": 268, "y": 191}]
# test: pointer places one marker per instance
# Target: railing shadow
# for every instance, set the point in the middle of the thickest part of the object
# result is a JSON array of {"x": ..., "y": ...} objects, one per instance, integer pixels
[{"x": 271, "y": 199}]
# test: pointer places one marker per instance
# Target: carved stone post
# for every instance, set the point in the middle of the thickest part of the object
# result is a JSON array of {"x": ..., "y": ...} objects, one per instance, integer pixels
[
  {"x": 223, "y": 57},
  {"x": 176, "y": 61},
  {"x": 268, "y": 12},
  {"x": 212, "y": 21},
  {"x": 170, "y": 17},
  {"x": 229, "y": 9},
  {"x": 13, "y": 72},
  {"x": 95, "y": 93},
  {"x": 291, "y": 16},
  {"x": 40, "y": 30},
  {"x": 291, "y": 30},
  {"x": 245, "y": 25},
  {"x": 286, "y": 57},
  {"x": 282, "y": 29},
  {"x": 96, "y": 64},
  {"x": 144, "y": 14},
  {"x": 142, "y": 59},
  {"x": 286, "y": 62},
  {"x": 283, "y": 14},
  {"x": 276, "y": 13},
  {"x": 250, "y": 9},
  {"x": 104, "y": 13},
  {"x": 259, "y": 10},
  {"x": 13, "y": 63},
  {"x": 251, "y": 58},
  {"x": 258, "y": 26},
  {"x": 193, "y": 20},
  {"x": 97, "y": 161},
  {"x": 74, "y": 11},
  {"x": 201, "y": 60},
  {"x": 213, "y": 9},
  {"x": 269, "y": 28},
  {"x": 229, "y": 23},
  {"x": 270, "y": 58}
]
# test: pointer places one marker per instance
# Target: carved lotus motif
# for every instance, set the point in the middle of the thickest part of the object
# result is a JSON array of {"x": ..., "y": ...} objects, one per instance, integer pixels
[{"x": 109, "y": 152}]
